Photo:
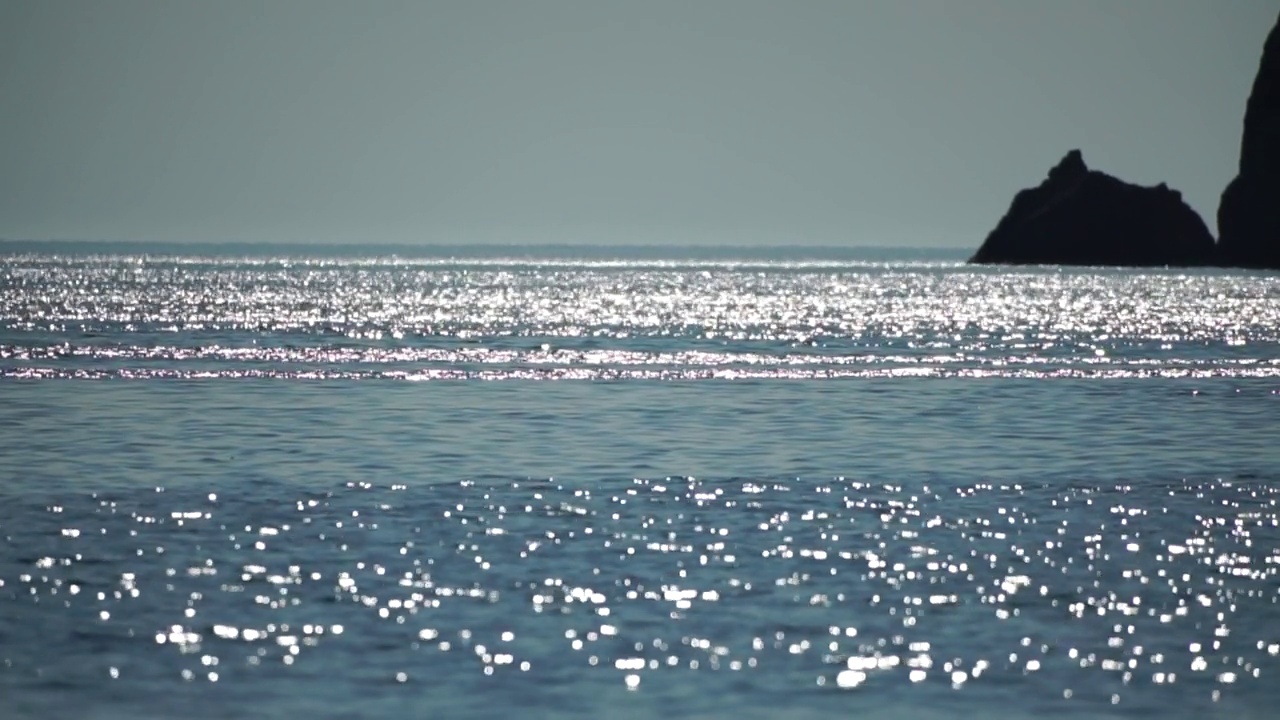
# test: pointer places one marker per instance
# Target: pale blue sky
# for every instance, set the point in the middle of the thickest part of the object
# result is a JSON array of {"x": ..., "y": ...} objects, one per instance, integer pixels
[{"x": 885, "y": 122}]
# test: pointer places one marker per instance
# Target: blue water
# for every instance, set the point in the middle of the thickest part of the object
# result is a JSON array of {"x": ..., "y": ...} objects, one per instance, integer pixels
[{"x": 576, "y": 482}]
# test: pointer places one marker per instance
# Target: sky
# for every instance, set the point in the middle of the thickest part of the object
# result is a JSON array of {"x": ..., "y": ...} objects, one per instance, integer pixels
[{"x": 728, "y": 122}]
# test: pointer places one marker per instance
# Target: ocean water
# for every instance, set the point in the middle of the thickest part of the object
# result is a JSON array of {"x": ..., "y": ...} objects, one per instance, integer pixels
[{"x": 578, "y": 483}]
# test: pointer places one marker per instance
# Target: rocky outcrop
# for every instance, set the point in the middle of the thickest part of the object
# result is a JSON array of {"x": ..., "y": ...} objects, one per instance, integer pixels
[
  {"x": 1249, "y": 214},
  {"x": 1079, "y": 216}
]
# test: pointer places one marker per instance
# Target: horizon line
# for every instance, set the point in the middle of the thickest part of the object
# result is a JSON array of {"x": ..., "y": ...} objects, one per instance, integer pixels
[{"x": 321, "y": 244}]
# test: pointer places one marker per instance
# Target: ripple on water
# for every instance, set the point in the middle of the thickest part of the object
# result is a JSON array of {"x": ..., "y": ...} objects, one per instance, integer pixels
[
  {"x": 474, "y": 597},
  {"x": 122, "y": 316}
]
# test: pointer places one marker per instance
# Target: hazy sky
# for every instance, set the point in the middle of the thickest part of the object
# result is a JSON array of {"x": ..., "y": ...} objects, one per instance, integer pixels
[{"x": 850, "y": 122}]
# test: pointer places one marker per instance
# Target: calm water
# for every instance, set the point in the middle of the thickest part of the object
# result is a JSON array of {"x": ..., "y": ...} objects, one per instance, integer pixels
[{"x": 579, "y": 483}]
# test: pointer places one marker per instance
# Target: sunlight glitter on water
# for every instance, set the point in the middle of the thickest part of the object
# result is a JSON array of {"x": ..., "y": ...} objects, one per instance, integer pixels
[
  {"x": 1077, "y": 592},
  {"x": 1018, "y": 537},
  {"x": 168, "y": 317}
]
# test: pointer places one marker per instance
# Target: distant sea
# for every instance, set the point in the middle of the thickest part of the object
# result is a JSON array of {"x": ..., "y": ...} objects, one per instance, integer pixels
[{"x": 572, "y": 482}]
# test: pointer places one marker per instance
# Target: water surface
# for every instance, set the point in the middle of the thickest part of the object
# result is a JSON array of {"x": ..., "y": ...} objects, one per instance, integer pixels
[{"x": 577, "y": 483}]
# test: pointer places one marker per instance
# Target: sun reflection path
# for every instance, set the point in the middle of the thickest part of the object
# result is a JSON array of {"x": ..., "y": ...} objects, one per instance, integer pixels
[
  {"x": 1083, "y": 593},
  {"x": 157, "y": 317}
]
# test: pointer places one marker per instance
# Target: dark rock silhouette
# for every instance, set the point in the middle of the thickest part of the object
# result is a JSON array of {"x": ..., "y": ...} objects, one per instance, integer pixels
[
  {"x": 1249, "y": 214},
  {"x": 1079, "y": 216}
]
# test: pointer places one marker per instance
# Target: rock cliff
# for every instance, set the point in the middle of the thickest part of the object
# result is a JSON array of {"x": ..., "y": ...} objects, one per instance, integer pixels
[{"x": 1249, "y": 213}]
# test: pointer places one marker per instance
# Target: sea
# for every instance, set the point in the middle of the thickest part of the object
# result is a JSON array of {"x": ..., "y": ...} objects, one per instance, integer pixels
[{"x": 630, "y": 482}]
